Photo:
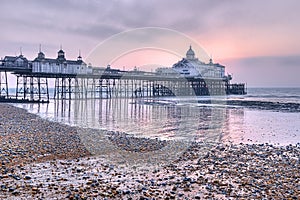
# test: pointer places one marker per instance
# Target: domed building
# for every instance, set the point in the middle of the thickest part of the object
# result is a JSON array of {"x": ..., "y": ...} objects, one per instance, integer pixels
[
  {"x": 190, "y": 66},
  {"x": 60, "y": 65}
]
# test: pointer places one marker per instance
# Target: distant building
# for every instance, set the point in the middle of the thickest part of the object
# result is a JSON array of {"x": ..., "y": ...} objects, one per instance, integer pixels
[
  {"x": 190, "y": 66},
  {"x": 60, "y": 65},
  {"x": 15, "y": 62}
]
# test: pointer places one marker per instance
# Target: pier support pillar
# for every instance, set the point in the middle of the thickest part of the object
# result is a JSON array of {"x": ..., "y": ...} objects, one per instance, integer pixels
[{"x": 3, "y": 84}]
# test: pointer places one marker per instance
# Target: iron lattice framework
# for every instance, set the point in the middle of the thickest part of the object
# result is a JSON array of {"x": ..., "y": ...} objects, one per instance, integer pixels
[{"x": 32, "y": 88}]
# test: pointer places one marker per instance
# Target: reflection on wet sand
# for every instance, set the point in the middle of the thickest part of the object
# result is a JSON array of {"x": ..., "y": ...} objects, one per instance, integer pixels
[
  {"x": 144, "y": 120},
  {"x": 174, "y": 119}
]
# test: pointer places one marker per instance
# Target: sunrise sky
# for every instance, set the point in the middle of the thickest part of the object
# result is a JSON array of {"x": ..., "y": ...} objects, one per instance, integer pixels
[{"x": 258, "y": 41}]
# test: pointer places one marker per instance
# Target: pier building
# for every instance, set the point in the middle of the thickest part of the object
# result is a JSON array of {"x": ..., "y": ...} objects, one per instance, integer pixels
[{"x": 75, "y": 79}]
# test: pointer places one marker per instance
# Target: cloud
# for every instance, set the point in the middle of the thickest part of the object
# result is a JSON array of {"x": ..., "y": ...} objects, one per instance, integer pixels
[
  {"x": 228, "y": 28},
  {"x": 98, "y": 18}
]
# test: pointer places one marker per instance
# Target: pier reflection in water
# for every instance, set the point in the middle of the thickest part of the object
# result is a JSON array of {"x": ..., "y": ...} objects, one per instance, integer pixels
[
  {"x": 173, "y": 119},
  {"x": 164, "y": 120}
]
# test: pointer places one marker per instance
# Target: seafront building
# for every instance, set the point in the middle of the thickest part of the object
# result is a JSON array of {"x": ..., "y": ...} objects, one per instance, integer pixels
[
  {"x": 15, "y": 62},
  {"x": 190, "y": 66},
  {"x": 60, "y": 65}
]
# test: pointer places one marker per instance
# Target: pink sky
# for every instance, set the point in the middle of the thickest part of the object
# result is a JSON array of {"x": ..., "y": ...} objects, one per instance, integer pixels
[{"x": 257, "y": 41}]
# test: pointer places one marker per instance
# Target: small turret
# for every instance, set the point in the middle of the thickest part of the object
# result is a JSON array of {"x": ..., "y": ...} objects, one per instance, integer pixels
[
  {"x": 61, "y": 55},
  {"x": 79, "y": 58},
  {"x": 41, "y": 55}
]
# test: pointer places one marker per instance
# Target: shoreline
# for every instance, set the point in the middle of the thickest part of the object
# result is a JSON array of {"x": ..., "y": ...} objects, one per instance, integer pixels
[{"x": 54, "y": 163}]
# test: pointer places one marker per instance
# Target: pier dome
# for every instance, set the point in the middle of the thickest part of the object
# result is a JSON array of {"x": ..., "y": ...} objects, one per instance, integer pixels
[
  {"x": 190, "y": 54},
  {"x": 61, "y": 55},
  {"x": 41, "y": 55}
]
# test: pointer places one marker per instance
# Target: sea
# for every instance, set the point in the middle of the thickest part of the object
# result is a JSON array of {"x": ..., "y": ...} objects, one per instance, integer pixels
[{"x": 184, "y": 118}]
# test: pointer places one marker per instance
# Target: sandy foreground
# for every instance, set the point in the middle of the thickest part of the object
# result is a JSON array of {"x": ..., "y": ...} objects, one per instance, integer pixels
[{"x": 46, "y": 160}]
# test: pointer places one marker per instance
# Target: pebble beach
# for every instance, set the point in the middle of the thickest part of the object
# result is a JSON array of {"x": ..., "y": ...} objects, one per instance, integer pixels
[{"x": 40, "y": 159}]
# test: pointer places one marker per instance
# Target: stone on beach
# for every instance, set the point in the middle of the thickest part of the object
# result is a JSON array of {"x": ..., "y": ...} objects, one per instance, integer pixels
[{"x": 43, "y": 160}]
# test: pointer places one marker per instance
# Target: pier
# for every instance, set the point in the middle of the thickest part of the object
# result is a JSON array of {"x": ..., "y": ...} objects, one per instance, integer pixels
[{"x": 76, "y": 80}]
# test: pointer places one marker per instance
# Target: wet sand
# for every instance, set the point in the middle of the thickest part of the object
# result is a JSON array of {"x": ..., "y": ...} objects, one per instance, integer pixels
[
  {"x": 47, "y": 160},
  {"x": 261, "y": 105}
]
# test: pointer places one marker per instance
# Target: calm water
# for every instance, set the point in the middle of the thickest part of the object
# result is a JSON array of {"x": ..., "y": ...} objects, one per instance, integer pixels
[
  {"x": 283, "y": 95},
  {"x": 183, "y": 118}
]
